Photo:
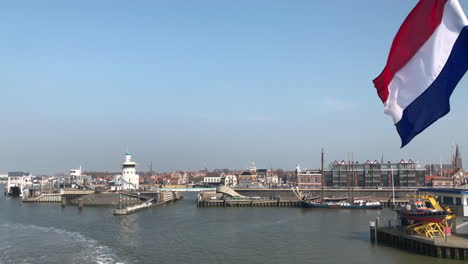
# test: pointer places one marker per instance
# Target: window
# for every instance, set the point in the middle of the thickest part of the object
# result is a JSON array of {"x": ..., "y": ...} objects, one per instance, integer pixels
[
  {"x": 458, "y": 201},
  {"x": 447, "y": 200}
]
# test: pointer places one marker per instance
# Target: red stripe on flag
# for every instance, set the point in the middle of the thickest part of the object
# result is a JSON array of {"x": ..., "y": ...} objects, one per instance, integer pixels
[{"x": 417, "y": 28}]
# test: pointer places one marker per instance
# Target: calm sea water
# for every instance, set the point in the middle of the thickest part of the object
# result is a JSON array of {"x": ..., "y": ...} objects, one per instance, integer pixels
[{"x": 182, "y": 233}]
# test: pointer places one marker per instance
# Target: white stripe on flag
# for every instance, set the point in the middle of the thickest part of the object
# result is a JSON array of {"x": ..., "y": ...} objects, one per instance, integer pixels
[{"x": 424, "y": 67}]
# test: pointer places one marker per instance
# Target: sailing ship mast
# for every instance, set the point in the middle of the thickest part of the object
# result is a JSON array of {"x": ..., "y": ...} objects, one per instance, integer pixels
[
  {"x": 323, "y": 176},
  {"x": 352, "y": 178},
  {"x": 348, "y": 170}
]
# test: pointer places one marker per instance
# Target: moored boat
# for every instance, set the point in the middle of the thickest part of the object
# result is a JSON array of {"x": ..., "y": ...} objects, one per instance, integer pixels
[
  {"x": 361, "y": 204},
  {"x": 325, "y": 205},
  {"x": 417, "y": 211},
  {"x": 358, "y": 204}
]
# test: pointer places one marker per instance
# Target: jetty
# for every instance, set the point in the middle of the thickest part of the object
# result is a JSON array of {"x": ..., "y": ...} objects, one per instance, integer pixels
[
  {"x": 227, "y": 197},
  {"x": 451, "y": 247}
]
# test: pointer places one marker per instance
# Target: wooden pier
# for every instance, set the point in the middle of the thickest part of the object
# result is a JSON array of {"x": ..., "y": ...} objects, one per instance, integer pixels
[
  {"x": 452, "y": 247},
  {"x": 249, "y": 203},
  {"x": 44, "y": 198},
  {"x": 205, "y": 200},
  {"x": 64, "y": 197}
]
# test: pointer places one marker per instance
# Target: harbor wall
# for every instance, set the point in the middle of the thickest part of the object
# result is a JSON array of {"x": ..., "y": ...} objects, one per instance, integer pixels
[{"x": 452, "y": 247}]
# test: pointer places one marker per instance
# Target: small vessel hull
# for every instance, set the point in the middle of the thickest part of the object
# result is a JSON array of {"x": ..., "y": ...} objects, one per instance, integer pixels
[
  {"x": 14, "y": 191},
  {"x": 429, "y": 217},
  {"x": 361, "y": 207},
  {"x": 337, "y": 206},
  {"x": 315, "y": 205}
]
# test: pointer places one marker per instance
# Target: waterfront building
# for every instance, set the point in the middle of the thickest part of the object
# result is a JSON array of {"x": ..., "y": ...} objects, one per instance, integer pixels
[
  {"x": 456, "y": 199},
  {"x": 129, "y": 180},
  {"x": 261, "y": 175},
  {"x": 308, "y": 178},
  {"x": 230, "y": 180},
  {"x": 246, "y": 178},
  {"x": 211, "y": 180},
  {"x": 272, "y": 179},
  {"x": 79, "y": 178},
  {"x": 253, "y": 169},
  {"x": 375, "y": 174},
  {"x": 442, "y": 182}
]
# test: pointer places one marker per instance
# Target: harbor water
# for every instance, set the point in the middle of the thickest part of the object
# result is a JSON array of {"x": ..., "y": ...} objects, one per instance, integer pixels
[{"x": 182, "y": 233}]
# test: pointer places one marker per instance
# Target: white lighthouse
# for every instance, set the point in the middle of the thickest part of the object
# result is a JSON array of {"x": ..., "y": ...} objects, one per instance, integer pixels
[{"x": 129, "y": 179}]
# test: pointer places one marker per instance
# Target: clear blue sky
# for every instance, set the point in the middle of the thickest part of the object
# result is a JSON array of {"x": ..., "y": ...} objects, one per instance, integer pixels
[{"x": 181, "y": 82}]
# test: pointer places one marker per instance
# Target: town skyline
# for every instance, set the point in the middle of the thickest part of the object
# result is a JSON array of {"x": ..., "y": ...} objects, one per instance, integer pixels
[{"x": 147, "y": 166}]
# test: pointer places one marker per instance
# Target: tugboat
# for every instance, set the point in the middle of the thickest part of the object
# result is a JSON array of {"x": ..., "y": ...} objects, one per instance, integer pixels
[
  {"x": 416, "y": 210},
  {"x": 423, "y": 221}
]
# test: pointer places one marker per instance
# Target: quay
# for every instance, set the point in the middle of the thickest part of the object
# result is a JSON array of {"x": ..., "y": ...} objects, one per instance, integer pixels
[
  {"x": 64, "y": 196},
  {"x": 451, "y": 247},
  {"x": 249, "y": 197},
  {"x": 383, "y": 195},
  {"x": 227, "y": 197},
  {"x": 247, "y": 202}
]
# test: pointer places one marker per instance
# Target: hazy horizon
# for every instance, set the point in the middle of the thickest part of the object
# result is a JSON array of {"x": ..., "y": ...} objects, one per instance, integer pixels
[{"x": 180, "y": 83}]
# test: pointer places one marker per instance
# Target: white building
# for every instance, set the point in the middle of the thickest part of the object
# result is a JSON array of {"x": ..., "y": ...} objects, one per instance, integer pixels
[
  {"x": 75, "y": 172},
  {"x": 79, "y": 178},
  {"x": 211, "y": 180},
  {"x": 271, "y": 179},
  {"x": 230, "y": 180},
  {"x": 129, "y": 179}
]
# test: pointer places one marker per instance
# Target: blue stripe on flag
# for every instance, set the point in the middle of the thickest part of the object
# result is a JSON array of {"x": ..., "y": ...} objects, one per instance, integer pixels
[{"x": 434, "y": 102}]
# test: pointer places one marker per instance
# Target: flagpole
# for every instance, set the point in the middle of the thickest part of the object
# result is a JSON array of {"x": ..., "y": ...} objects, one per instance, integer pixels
[{"x": 393, "y": 186}]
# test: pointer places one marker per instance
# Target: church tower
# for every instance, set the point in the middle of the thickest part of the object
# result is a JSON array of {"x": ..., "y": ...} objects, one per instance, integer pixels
[{"x": 457, "y": 160}]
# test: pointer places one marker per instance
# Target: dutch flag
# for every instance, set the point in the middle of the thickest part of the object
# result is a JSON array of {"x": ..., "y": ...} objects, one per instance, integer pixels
[{"x": 428, "y": 57}]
